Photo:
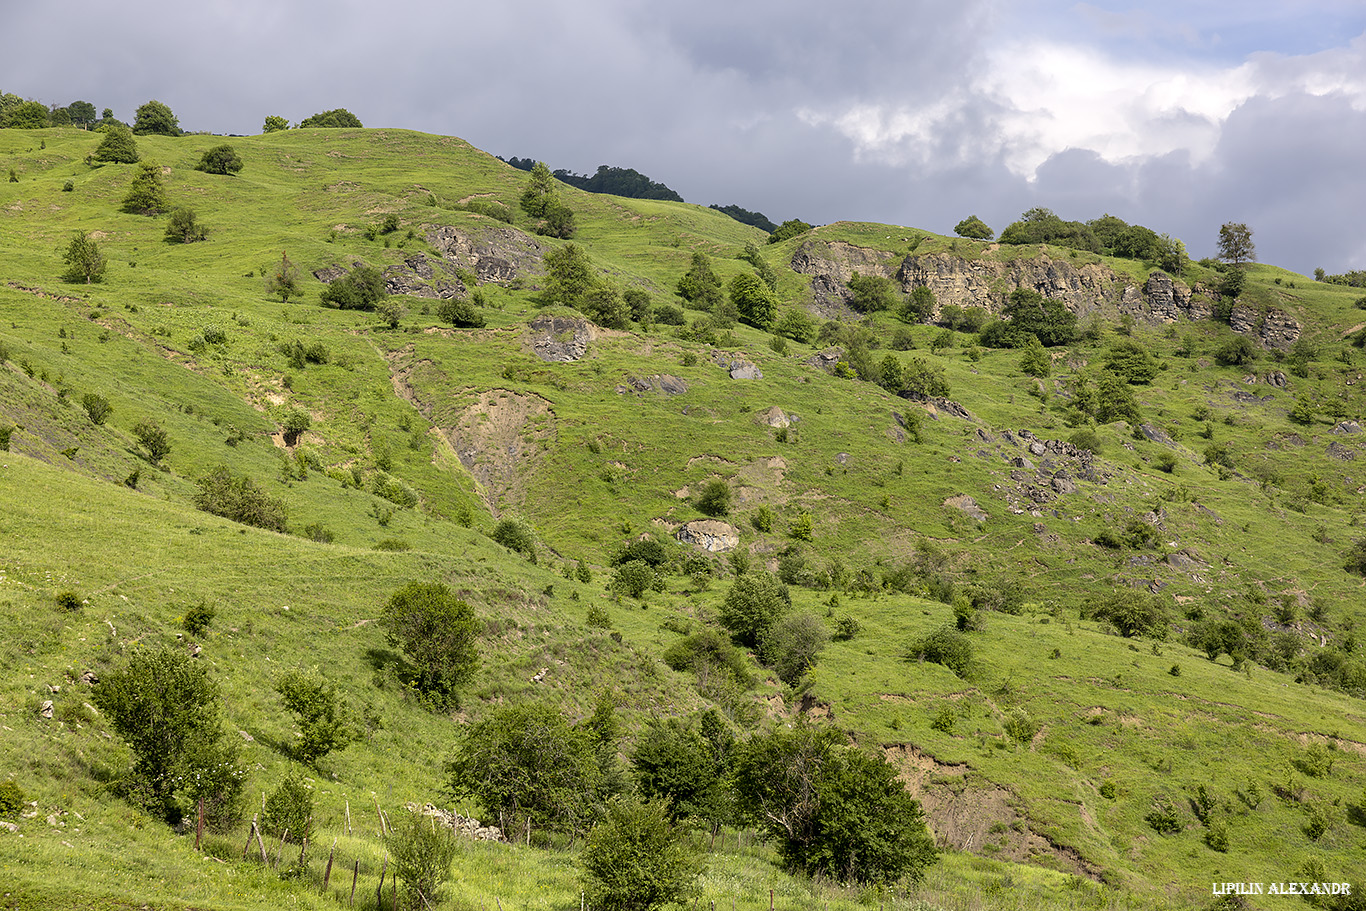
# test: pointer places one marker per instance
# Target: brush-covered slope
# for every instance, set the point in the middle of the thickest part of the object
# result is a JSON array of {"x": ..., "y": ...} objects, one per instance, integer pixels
[{"x": 1234, "y": 495}]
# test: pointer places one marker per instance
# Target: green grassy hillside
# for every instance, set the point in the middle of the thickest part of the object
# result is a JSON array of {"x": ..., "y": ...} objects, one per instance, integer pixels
[{"x": 1235, "y": 496}]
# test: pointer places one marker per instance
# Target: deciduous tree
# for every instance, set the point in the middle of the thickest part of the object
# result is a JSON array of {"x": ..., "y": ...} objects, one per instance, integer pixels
[
  {"x": 221, "y": 159},
  {"x": 438, "y": 632},
  {"x": 117, "y": 146},
  {"x": 635, "y": 860},
  {"x": 1235, "y": 244},
  {"x": 973, "y": 227},
  {"x": 146, "y": 192},
  {"x": 85, "y": 262},
  {"x": 274, "y": 123},
  {"x": 156, "y": 118}
]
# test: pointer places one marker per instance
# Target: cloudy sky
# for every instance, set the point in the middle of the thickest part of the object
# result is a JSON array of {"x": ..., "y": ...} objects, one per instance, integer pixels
[{"x": 1177, "y": 115}]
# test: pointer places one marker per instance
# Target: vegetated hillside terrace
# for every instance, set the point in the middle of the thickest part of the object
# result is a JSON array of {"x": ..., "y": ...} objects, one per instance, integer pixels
[{"x": 1086, "y": 577}]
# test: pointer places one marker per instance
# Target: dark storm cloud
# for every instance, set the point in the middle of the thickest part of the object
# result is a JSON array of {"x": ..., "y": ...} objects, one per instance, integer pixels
[{"x": 916, "y": 112}]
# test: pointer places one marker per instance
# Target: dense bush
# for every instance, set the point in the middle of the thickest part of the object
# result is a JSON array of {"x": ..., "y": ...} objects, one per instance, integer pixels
[
  {"x": 792, "y": 644},
  {"x": 755, "y": 601},
  {"x": 707, "y": 652},
  {"x": 336, "y": 118},
  {"x": 323, "y": 722},
  {"x": 12, "y": 798},
  {"x": 183, "y": 226},
  {"x": 288, "y": 811},
  {"x": 635, "y": 860},
  {"x": 197, "y": 618},
  {"x": 239, "y": 499},
  {"x": 117, "y": 146},
  {"x": 439, "y": 635},
  {"x": 1132, "y": 612},
  {"x": 633, "y": 579},
  {"x": 85, "y": 263},
  {"x": 96, "y": 406},
  {"x": 423, "y": 852},
  {"x": 945, "y": 646},
  {"x": 153, "y": 438},
  {"x": 515, "y": 536},
  {"x": 146, "y": 193},
  {"x": 714, "y": 498},
  {"x": 360, "y": 289},
  {"x": 221, "y": 159}
]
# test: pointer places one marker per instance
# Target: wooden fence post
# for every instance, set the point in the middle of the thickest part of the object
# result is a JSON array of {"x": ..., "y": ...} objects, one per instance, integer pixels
[
  {"x": 250, "y": 833},
  {"x": 354, "y": 874},
  {"x": 379, "y": 892},
  {"x": 327, "y": 874}
]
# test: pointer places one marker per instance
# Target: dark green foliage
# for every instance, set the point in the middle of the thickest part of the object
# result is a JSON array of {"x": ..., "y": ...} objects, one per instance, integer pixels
[
  {"x": 322, "y": 716},
  {"x": 1020, "y": 727},
  {"x": 1041, "y": 226},
  {"x": 197, "y": 618},
  {"x": 165, "y": 707},
  {"x": 183, "y": 227},
  {"x": 1235, "y": 245},
  {"x": 1135, "y": 534},
  {"x": 626, "y": 182},
  {"x": 635, "y": 860},
  {"x": 338, "y": 118},
  {"x": 1132, "y": 360},
  {"x": 945, "y": 646},
  {"x": 1163, "y": 817},
  {"x": 973, "y": 227},
  {"x": 639, "y": 303},
  {"x": 69, "y": 600},
  {"x": 846, "y": 628},
  {"x": 460, "y": 313},
  {"x": 755, "y": 258},
  {"x": 707, "y": 652},
  {"x": 284, "y": 280},
  {"x": 674, "y": 764},
  {"x": 714, "y": 498},
  {"x": 833, "y": 810},
  {"x": 12, "y": 799},
  {"x": 288, "y": 811},
  {"x": 439, "y": 634},
  {"x": 28, "y": 115},
  {"x": 85, "y": 263},
  {"x": 1027, "y": 312},
  {"x": 787, "y": 230},
  {"x": 525, "y": 762},
  {"x": 146, "y": 193},
  {"x": 423, "y": 852},
  {"x": 1356, "y": 557},
  {"x": 221, "y": 159},
  {"x": 558, "y": 221},
  {"x": 1035, "y": 361},
  {"x": 746, "y": 217},
  {"x": 634, "y": 578},
  {"x": 604, "y": 305},
  {"x": 647, "y": 550},
  {"x": 274, "y": 123},
  {"x": 1131, "y": 611},
  {"x": 515, "y": 536},
  {"x": 155, "y": 443},
  {"x": 792, "y": 644},
  {"x": 918, "y": 306},
  {"x": 700, "y": 286},
  {"x": 754, "y": 603},
  {"x": 796, "y": 325},
  {"x": 753, "y": 300},
  {"x": 239, "y": 499},
  {"x": 539, "y": 191},
  {"x": 1104, "y": 397},
  {"x": 960, "y": 319},
  {"x": 360, "y": 289},
  {"x": 155, "y": 118},
  {"x": 96, "y": 406},
  {"x": 871, "y": 293},
  {"x": 570, "y": 276}
]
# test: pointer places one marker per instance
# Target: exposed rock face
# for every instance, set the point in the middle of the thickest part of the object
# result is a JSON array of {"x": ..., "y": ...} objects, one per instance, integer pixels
[
  {"x": 420, "y": 277},
  {"x": 776, "y": 417},
  {"x": 1169, "y": 300},
  {"x": 988, "y": 283},
  {"x": 496, "y": 255},
  {"x": 968, "y": 506},
  {"x": 744, "y": 370},
  {"x": 662, "y": 383},
  {"x": 832, "y": 264},
  {"x": 710, "y": 535},
  {"x": 1274, "y": 329},
  {"x": 558, "y": 339},
  {"x": 827, "y": 359}
]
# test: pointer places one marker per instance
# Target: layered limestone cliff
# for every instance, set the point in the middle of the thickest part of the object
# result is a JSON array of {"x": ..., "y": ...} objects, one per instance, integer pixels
[{"x": 988, "y": 283}]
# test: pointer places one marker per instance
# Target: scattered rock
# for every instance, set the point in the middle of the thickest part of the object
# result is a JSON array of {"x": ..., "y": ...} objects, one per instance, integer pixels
[
  {"x": 1154, "y": 434},
  {"x": 1346, "y": 427},
  {"x": 8, "y": 827},
  {"x": 776, "y": 417},
  {"x": 1341, "y": 452},
  {"x": 1277, "y": 378},
  {"x": 89, "y": 678},
  {"x": 559, "y": 339},
  {"x": 709, "y": 534},
  {"x": 1021, "y": 462},
  {"x": 968, "y": 506},
  {"x": 827, "y": 359},
  {"x": 662, "y": 383},
  {"x": 744, "y": 370},
  {"x": 460, "y": 825},
  {"x": 46, "y": 709},
  {"x": 496, "y": 256},
  {"x": 247, "y": 737}
]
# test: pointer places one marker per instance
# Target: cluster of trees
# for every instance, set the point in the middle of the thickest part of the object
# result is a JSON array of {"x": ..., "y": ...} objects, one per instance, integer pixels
[
  {"x": 1106, "y": 235},
  {"x": 746, "y": 217},
  {"x": 20, "y": 114},
  {"x": 616, "y": 181},
  {"x": 542, "y": 202},
  {"x": 832, "y": 809}
]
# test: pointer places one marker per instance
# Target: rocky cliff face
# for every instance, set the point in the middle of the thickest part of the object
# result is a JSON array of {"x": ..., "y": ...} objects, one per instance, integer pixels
[{"x": 988, "y": 283}]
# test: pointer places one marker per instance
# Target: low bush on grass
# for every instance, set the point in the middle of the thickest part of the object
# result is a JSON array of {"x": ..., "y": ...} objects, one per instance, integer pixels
[{"x": 238, "y": 498}]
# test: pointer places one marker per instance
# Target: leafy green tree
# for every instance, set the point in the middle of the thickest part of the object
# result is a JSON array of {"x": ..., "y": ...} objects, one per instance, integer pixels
[
  {"x": 85, "y": 263},
  {"x": 1235, "y": 244},
  {"x": 1030, "y": 313},
  {"x": 1132, "y": 612},
  {"x": 284, "y": 280},
  {"x": 570, "y": 276},
  {"x": 1035, "y": 360},
  {"x": 753, "y": 300},
  {"x": 787, "y": 230},
  {"x": 29, "y": 115},
  {"x": 274, "y": 124},
  {"x": 288, "y": 811},
  {"x": 604, "y": 305},
  {"x": 973, "y": 227},
  {"x": 754, "y": 602},
  {"x": 714, "y": 498},
  {"x": 460, "y": 313},
  {"x": 700, "y": 286},
  {"x": 323, "y": 719},
  {"x": 423, "y": 852},
  {"x": 118, "y": 146},
  {"x": 153, "y": 438},
  {"x": 238, "y": 498},
  {"x": 526, "y": 763},
  {"x": 81, "y": 112},
  {"x": 146, "y": 192},
  {"x": 796, "y": 325},
  {"x": 675, "y": 764},
  {"x": 516, "y": 537},
  {"x": 557, "y": 221},
  {"x": 1235, "y": 351},
  {"x": 338, "y": 118},
  {"x": 920, "y": 378},
  {"x": 872, "y": 293},
  {"x": 634, "y": 860},
  {"x": 183, "y": 227},
  {"x": 97, "y": 407},
  {"x": 918, "y": 306},
  {"x": 539, "y": 192},
  {"x": 945, "y": 646},
  {"x": 633, "y": 578},
  {"x": 756, "y": 259},
  {"x": 832, "y": 809},
  {"x": 165, "y": 707},
  {"x": 439, "y": 634},
  {"x": 221, "y": 159},
  {"x": 360, "y": 289},
  {"x": 155, "y": 118},
  {"x": 1132, "y": 360},
  {"x": 793, "y": 643}
]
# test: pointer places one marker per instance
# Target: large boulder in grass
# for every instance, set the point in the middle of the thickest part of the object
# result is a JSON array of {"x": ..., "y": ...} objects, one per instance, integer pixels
[{"x": 710, "y": 535}]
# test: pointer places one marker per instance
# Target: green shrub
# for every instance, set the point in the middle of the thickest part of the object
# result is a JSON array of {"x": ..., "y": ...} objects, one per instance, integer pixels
[
  {"x": 1131, "y": 612},
  {"x": 463, "y": 314},
  {"x": 360, "y": 289},
  {"x": 944, "y": 720},
  {"x": 598, "y": 617},
  {"x": 706, "y": 651},
  {"x": 96, "y": 406},
  {"x": 633, "y": 579},
  {"x": 516, "y": 537},
  {"x": 239, "y": 499},
  {"x": 197, "y": 618},
  {"x": 221, "y": 159},
  {"x": 714, "y": 498},
  {"x": 392, "y": 545},
  {"x": 153, "y": 438},
  {"x": 846, "y": 628},
  {"x": 754, "y": 603},
  {"x": 395, "y": 490},
  {"x": 323, "y": 719},
  {"x": 288, "y": 812},
  {"x": 12, "y": 799},
  {"x": 945, "y": 646},
  {"x": 1163, "y": 817},
  {"x": 1020, "y": 726},
  {"x": 793, "y": 643},
  {"x": 423, "y": 852},
  {"x": 439, "y": 635},
  {"x": 69, "y": 600},
  {"x": 1216, "y": 837},
  {"x": 183, "y": 226},
  {"x": 635, "y": 859},
  {"x": 1108, "y": 790}
]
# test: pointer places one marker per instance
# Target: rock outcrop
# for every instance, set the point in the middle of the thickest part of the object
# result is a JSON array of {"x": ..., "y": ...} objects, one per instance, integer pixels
[
  {"x": 495, "y": 255},
  {"x": 558, "y": 339},
  {"x": 710, "y": 535}
]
